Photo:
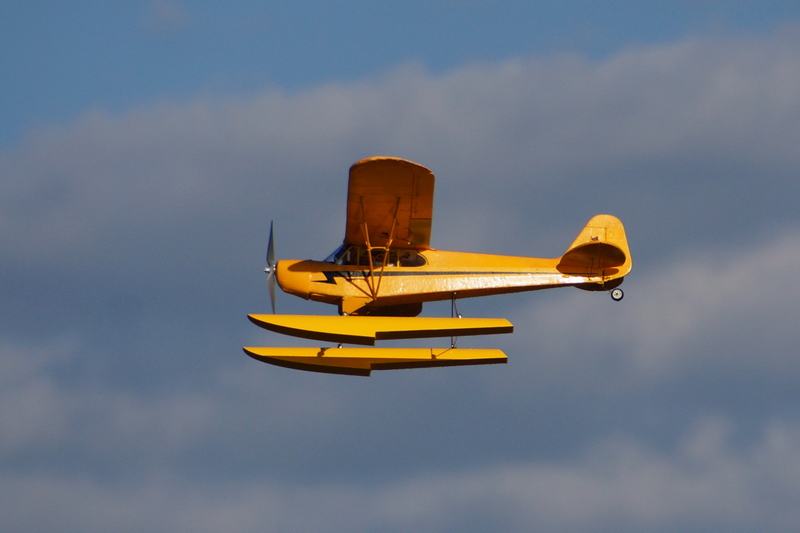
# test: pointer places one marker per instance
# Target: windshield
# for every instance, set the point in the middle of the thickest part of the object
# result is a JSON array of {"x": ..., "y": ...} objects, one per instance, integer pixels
[{"x": 336, "y": 254}]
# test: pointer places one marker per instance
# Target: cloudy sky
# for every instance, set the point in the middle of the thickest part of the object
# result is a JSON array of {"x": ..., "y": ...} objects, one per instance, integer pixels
[{"x": 145, "y": 147}]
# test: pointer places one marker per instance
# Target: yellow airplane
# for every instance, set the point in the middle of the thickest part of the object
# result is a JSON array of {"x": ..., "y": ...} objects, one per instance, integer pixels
[{"x": 385, "y": 270}]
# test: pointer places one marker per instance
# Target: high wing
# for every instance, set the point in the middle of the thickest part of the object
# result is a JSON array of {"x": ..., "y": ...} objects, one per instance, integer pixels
[{"x": 389, "y": 204}]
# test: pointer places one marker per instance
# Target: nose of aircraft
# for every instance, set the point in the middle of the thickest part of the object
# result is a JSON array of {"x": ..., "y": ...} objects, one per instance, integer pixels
[{"x": 293, "y": 278}]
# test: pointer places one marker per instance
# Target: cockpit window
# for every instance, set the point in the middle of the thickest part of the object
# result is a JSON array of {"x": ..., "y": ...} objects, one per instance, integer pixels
[
  {"x": 410, "y": 258},
  {"x": 336, "y": 255},
  {"x": 357, "y": 256}
]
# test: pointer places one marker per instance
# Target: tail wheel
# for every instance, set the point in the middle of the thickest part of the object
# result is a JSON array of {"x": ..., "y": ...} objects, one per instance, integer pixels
[{"x": 617, "y": 295}]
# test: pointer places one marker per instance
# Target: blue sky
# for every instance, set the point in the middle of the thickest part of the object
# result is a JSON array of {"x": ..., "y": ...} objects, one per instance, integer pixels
[
  {"x": 63, "y": 58},
  {"x": 145, "y": 148}
]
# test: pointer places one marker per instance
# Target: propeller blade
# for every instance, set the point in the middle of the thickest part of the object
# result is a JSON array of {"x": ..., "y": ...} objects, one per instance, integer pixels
[
  {"x": 271, "y": 287},
  {"x": 271, "y": 269},
  {"x": 271, "y": 250}
]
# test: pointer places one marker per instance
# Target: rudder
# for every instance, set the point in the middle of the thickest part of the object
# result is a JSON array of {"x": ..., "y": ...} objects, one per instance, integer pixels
[{"x": 600, "y": 249}]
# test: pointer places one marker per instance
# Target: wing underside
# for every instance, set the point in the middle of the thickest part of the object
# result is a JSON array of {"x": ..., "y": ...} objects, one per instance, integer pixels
[{"x": 389, "y": 204}]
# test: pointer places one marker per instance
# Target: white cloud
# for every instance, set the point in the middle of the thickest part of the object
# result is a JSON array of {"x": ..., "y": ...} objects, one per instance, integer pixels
[
  {"x": 41, "y": 408},
  {"x": 614, "y": 485},
  {"x": 31, "y": 405},
  {"x": 38, "y": 409},
  {"x": 537, "y": 125},
  {"x": 732, "y": 309}
]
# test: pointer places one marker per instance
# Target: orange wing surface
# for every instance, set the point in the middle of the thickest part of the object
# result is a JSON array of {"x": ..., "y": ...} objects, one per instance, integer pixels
[{"x": 389, "y": 204}]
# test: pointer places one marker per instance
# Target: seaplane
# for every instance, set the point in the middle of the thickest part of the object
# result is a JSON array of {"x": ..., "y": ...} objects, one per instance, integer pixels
[{"x": 385, "y": 270}]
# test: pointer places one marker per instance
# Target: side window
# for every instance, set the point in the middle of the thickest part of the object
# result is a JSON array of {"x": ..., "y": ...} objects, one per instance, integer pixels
[
  {"x": 358, "y": 256},
  {"x": 410, "y": 258}
]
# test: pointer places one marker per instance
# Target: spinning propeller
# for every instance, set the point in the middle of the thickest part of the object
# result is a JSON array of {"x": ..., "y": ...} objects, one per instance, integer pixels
[{"x": 272, "y": 268}]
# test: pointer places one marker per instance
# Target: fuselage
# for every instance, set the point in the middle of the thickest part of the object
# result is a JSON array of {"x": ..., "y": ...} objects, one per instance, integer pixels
[{"x": 348, "y": 280}]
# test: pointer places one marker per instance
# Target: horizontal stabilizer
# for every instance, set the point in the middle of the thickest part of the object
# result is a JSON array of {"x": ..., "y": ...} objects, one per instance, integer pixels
[
  {"x": 361, "y": 361},
  {"x": 368, "y": 329}
]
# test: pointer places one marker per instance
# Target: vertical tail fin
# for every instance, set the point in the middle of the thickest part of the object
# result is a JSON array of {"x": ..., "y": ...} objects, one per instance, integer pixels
[{"x": 601, "y": 249}]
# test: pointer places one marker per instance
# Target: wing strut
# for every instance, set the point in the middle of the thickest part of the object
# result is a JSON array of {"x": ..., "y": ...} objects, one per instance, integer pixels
[
  {"x": 374, "y": 287},
  {"x": 454, "y": 313}
]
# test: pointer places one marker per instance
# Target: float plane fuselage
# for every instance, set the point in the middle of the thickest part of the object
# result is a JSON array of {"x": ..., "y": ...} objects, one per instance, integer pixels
[{"x": 386, "y": 269}]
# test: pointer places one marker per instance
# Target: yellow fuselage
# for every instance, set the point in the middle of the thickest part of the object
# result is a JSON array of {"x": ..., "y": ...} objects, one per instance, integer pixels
[{"x": 443, "y": 275}]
